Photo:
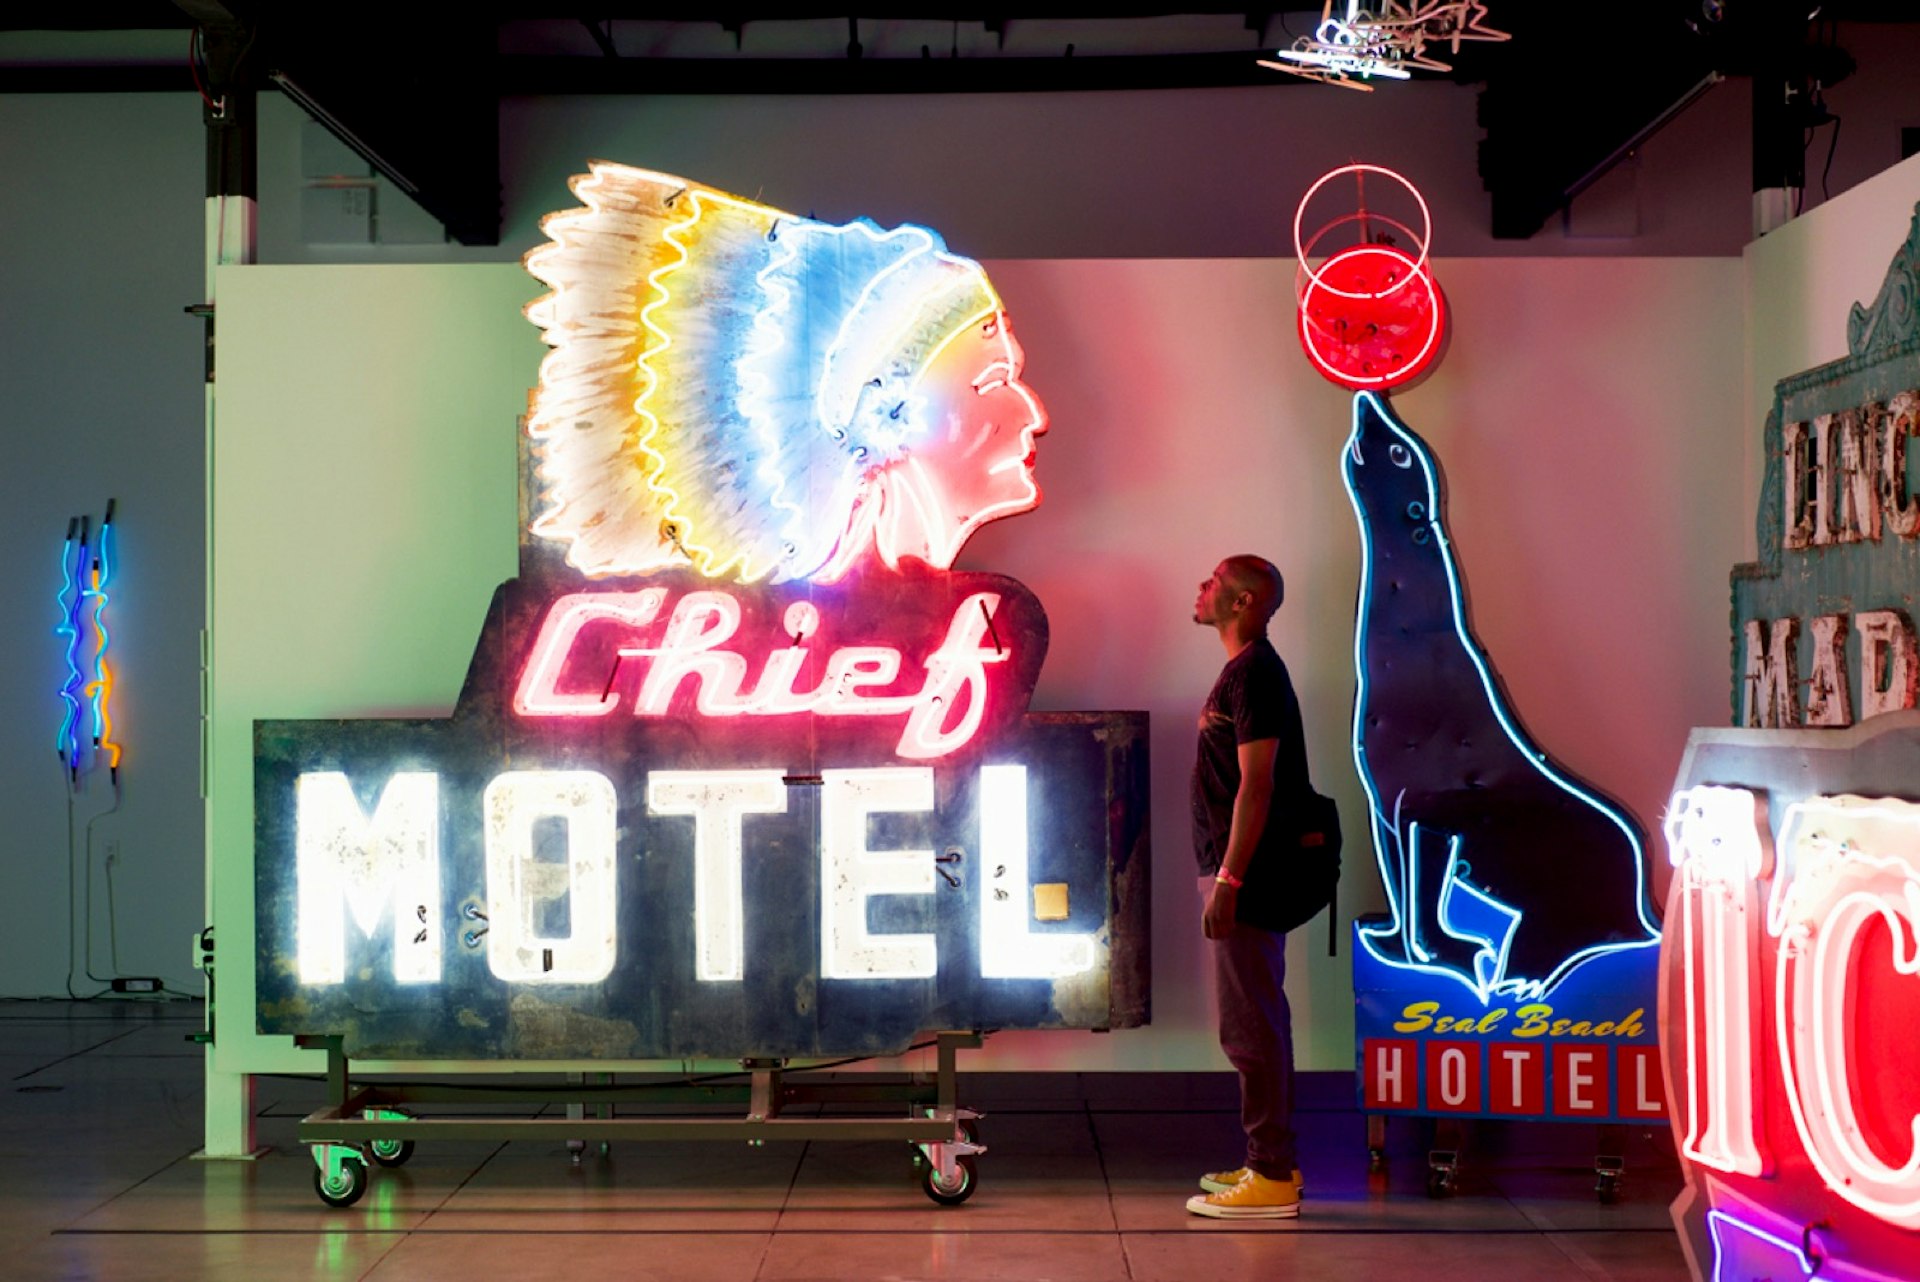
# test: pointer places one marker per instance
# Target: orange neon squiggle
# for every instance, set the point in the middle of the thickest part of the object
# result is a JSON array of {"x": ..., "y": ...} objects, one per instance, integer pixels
[
  {"x": 650, "y": 383},
  {"x": 105, "y": 688}
]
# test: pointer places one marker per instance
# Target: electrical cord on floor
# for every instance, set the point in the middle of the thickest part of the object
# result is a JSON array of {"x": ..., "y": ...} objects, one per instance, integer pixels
[
  {"x": 73, "y": 896},
  {"x": 83, "y": 904},
  {"x": 113, "y": 932}
]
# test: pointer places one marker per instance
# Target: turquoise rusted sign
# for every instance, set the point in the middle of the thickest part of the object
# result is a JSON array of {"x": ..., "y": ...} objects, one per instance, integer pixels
[{"x": 1823, "y": 629}]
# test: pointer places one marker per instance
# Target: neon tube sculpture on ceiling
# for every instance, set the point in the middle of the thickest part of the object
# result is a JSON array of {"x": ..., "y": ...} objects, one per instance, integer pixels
[{"x": 766, "y": 397}]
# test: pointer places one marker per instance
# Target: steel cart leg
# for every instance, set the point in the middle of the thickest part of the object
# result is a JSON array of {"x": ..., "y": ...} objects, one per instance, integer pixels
[
  {"x": 951, "y": 1175},
  {"x": 1376, "y": 1142},
  {"x": 1443, "y": 1159},
  {"x": 1610, "y": 1163}
]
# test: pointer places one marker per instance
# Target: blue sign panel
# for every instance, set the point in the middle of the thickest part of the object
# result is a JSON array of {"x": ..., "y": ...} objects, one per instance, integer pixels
[
  {"x": 1589, "y": 1052},
  {"x": 564, "y": 869}
]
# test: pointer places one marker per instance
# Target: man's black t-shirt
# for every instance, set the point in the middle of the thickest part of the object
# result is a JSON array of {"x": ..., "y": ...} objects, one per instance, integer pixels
[{"x": 1252, "y": 700}]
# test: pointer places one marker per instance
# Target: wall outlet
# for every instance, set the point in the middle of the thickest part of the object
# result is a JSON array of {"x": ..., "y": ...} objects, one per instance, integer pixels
[{"x": 137, "y": 984}]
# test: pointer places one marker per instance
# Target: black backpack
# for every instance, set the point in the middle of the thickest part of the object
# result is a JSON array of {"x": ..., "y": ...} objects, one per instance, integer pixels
[{"x": 1286, "y": 886}]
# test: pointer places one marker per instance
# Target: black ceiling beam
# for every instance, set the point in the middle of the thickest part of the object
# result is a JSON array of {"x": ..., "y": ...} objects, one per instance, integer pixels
[
  {"x": 1560, "y": 108},
  {"x": 174, "y": 78},
  {"x": 534, "y": 76}
]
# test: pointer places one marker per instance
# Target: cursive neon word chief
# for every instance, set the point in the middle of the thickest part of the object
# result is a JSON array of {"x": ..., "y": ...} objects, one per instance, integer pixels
[{"x": 942, "y": 705}]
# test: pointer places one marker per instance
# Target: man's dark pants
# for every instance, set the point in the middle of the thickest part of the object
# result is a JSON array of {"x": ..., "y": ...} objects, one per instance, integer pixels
[{"x": 1256, "y": 1032}]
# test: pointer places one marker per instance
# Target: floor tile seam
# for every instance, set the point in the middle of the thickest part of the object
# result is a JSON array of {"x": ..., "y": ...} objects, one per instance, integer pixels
[
  {"x": 786, "y": 1200},
  {"x": 21, "y": 1077},
  {"x": 1292, "y": 1228},
  {"x": 786, "y": 1197},
  {"x": 102, "y": 1205},
  {"x": 460, "y": 1184},
  {"x": 1100, "y": 1155}
]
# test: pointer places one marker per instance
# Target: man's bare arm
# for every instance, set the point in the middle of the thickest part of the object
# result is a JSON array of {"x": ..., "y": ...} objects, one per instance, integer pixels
[{"x": 1250, "y": 806}]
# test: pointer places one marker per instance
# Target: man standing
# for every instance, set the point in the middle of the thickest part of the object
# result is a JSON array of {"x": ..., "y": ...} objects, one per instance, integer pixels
[{"x": 1250, "y": 772}]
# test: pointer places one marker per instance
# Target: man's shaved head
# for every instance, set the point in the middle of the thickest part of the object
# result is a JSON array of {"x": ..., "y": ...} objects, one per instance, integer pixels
[{"x": 1256, "y": 574}]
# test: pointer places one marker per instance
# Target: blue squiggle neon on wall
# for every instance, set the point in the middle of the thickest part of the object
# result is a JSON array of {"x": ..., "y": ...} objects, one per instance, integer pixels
[
  {"x": 1503, "y": 872},
  {"x": 73, "y": 569},
  {"x": 86, "y": 569}
]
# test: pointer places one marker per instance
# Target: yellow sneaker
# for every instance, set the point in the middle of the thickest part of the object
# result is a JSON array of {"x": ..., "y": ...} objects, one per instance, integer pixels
[
  {"x": 1255, "y": 1197},
  {"x": 1221, "y": 1181}
]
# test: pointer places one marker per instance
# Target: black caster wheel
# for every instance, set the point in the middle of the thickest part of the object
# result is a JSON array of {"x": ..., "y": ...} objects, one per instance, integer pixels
[
  {"x": 1439, "y": 1184},
  {"x": 345, "y": 1187},
  {"x": 1607, "y": 1189},
  {"x": 390, "y": 1152},
  {"x": 950, "y": 1194}
]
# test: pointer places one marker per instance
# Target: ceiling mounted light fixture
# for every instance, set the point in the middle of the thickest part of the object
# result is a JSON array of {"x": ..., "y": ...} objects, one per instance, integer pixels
[{"x": 1389, "y": 38}]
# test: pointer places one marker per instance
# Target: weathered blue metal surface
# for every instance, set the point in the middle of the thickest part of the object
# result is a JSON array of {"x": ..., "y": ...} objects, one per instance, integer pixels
[{"x": 1087, "y": 828}]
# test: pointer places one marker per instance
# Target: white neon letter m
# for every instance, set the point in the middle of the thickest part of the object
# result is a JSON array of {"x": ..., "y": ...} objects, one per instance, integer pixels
[{"x": 347, "y": 862}]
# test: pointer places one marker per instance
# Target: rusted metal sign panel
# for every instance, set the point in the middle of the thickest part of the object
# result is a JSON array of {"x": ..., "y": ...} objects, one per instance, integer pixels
[
  {"x": 1823, "y": 630},
  {"x": 628, "y": 880}
]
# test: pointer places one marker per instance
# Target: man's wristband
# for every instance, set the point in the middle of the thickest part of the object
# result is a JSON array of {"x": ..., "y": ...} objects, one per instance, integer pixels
[{"x": 1226, "y": 878}]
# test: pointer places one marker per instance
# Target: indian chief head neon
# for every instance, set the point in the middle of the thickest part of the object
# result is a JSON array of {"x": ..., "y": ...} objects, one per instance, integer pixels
[{"x": 759, "y": 396}]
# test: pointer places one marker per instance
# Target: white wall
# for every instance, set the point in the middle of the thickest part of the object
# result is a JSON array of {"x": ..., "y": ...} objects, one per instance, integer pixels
[
  {"x": 100, "y": 219},
  {"x": 1802, "y": 280}
]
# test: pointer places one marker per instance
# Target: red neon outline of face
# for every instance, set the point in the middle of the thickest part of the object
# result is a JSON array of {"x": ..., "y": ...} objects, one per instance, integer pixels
[{"x": 976, "y": 463}]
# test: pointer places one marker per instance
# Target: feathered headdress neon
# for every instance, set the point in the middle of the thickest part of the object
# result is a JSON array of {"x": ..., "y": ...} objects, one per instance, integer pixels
[{"x": 727, "y": 378}]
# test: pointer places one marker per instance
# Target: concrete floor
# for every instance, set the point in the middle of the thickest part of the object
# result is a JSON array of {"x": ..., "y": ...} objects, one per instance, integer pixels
[{"x": 1086, "y": 1178}]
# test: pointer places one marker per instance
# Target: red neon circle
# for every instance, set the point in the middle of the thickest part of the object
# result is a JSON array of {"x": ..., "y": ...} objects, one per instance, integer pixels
[
  {"x": 1422, "y": 236},
  {"x": 1372, "y": 317}
]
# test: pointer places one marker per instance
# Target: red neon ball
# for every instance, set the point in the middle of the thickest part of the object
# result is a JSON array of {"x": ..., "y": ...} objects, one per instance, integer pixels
[{"x": 1372, "y": 318}]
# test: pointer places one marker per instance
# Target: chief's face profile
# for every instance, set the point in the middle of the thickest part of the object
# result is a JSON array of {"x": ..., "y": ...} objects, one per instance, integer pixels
[
  {"x": 984, "y": 419},
  {"x": 974, "y": 461}
]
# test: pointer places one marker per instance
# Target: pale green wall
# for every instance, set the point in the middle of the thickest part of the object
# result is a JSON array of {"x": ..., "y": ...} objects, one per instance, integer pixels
[{"x": 363, "y": 511}]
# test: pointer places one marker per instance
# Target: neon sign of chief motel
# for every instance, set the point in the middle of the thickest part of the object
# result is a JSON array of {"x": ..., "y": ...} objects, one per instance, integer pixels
[{"x": 741, "y": 763}]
